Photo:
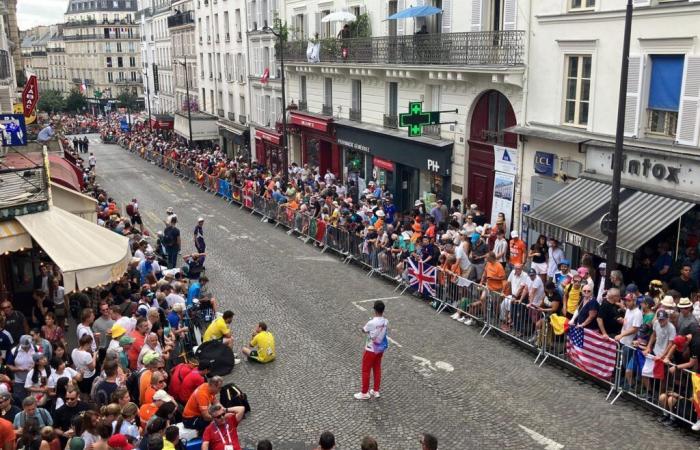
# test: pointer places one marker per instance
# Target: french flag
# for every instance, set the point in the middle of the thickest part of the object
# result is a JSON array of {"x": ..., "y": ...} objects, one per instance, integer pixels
[{"x": 649, "y": 367}]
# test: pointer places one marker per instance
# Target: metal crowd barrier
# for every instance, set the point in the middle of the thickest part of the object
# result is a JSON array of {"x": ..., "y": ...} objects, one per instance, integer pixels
[{"x": 672, "y": 395}]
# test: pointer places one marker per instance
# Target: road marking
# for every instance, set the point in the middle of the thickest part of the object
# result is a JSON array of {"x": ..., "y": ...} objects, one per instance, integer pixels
[
  {"x": 427, "y": 368},
  {"x": 392, "y": 341},
  {"x": 544, "y": 441},
  {"x": 166, "y": 188},
  {"x": 224, "y": 228},
  {"x": 313, "y": 258},
  {"x": 377, "y": 299},
  {"x": 442, "y": 365},
  {"x": 153, "y": 217},
  {"x": 361, "y": 308}
]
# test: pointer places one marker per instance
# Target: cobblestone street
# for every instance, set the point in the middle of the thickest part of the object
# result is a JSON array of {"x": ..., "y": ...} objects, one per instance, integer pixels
[{"x": 439, "y": 376}]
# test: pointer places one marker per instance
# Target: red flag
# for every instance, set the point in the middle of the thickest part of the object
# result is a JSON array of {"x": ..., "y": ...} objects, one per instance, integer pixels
[{"x": 265, "y": 76}]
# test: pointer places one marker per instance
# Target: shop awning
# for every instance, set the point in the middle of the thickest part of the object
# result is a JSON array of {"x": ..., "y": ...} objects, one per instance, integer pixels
[
  {"x": 74, "y": 202},
  {"x": 573, "y": 215},
  {"x": 87, "y": 254},
  {"x": 13, "y": 237},
  {"x": 162, "y": 122}
]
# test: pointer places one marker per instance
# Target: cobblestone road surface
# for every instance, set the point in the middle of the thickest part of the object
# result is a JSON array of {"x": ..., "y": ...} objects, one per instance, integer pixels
[{"x": 495, "y": 397}]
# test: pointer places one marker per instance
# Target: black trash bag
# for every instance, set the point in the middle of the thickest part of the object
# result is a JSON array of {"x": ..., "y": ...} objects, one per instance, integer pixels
[{"x": 216, "y": 351}]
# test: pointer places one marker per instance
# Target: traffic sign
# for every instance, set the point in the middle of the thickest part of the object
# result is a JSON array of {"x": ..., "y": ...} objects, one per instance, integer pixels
[
  {"x": 416, "y": 119},
  {"x": 14, "y": 130},
  {"x": 30, "y": 95}
]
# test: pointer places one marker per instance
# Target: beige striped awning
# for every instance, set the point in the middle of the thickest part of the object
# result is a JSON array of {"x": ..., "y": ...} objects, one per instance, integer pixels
[{"x": 13, "y": 236}]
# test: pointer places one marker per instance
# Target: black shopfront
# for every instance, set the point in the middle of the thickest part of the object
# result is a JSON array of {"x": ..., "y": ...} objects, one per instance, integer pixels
[{"x": 410, "y": 167}]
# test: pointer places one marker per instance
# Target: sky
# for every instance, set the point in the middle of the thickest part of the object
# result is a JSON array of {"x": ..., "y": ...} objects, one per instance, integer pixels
[{"x": 31, "y": 13}]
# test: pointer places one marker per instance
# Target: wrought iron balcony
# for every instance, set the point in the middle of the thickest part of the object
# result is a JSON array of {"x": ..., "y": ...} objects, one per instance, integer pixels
[
  {"x": 124, "y": 81},
  {"x": 80, "y": 37},
  {"x": 242, "y": 119},
  {"x": 303, "y": 105},
  {"x": 391, "y": 121},
  {"x": 356, "y": 115},
  {"x": 485, "y": 48},
  {"x": 178, "y": 20},
  {"x": 327, "y": 110}
]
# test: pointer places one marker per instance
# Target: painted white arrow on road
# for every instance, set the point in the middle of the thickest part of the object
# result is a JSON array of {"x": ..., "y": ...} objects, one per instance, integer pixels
[
  {"x": 224, "y": 228},
  {"x": 544, "y": 441}
]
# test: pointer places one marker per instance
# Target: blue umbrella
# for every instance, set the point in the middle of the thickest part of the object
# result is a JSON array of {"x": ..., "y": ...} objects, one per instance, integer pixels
[{"x": 415, "y": 11}]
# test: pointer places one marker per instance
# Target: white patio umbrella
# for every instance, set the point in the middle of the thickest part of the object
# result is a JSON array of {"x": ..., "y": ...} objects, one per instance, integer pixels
[{"x": 339, "y": 16}]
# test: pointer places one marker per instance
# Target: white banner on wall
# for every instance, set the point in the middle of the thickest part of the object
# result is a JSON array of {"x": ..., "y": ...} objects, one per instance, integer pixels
[
  {"x": 503, "y": 192},
  {"x": 505, "y": 159}
]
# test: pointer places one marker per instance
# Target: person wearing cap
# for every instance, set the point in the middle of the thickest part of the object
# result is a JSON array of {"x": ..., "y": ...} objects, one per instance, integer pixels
[
  {"x": 686, "y": 322},
  {"x": 564, "y": 276},
  {"x": 171, "y": 241},
  {"x": 662, "y": 336},
  {"x": 148, "y": 409},
  {"x": 219, "y": 329},
  {"x": 149, "y": 268},
  {"x": 20, "y": 361},
  {"x": 684, "y": 282},
  {"x": 587, "y": 279},
  {"x": 8, "y": 410},
  {"x": 600, "y": 288},
  {"x": 119, "y": 442},
  {"x": 198, "y": 236},
  {"x": 518, "y": 250}
]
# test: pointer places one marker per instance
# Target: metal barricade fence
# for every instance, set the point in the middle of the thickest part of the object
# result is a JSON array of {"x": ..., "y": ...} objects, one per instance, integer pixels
[{"x": 671, "y": 394}]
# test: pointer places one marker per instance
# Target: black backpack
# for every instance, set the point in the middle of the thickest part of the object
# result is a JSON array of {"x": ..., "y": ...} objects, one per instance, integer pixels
[
  {"x": 216, "y": 350},
  {"x": 133, "y": 382},
  {"x": 231, "y": 395}
]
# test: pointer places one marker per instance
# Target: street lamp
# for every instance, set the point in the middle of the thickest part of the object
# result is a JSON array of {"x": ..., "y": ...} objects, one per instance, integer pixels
[
  {"x": 285, "y": 151},
  {"x": 187, "y": 89},
  {"x": 148, "y": 99}
]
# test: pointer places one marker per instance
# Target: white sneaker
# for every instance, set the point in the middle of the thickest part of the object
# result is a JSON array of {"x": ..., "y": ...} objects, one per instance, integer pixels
[
  {"x": 361, "y": 396},
  {"x": 374, "y": 393},
  {"x": 696, "y": 427},
  {"x": 469, "y": 322},
  {"x": 462, "y": 319},
  {"x": 455, "y": 316},
  {"x": 236, "y": 361}
]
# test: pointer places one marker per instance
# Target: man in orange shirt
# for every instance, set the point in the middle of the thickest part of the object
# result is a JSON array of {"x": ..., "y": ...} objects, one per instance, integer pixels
[
  {"x": 139, "y": 335},
  {"x": 518, "y": 250},
  {"x": 153, "y": 363},
  {"x": 494, "y": 274},
  {"x": 7, "y": 434},
  {"x": 196, "y": 413}
]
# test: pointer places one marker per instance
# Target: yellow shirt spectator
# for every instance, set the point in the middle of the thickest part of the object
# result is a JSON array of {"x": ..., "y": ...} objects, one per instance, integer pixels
[
  {"x": 216, "y": 330},
  {"x": 264, "y": 344}
]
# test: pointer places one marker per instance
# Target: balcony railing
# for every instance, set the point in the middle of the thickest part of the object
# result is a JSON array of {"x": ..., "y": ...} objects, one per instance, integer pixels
[
  {"x": 123, "y": 81},
  {"x": 356, "y": 115},
  {"x": 303, "y": 105},
  {"x": 179, "y": 20},
  {"x": 242, "y": 119},
  {"x": 38, "y": 53},
  {"x": 485, "y": 48},
  {"x": 80, "y": 37},
  {"x": 20, "y": 188},
  {"x": 391, "y": 121},
  {"x": 231, "y": 116},
  {"x": 327, "y": 110},
  {"x": 88, "y": 81}
]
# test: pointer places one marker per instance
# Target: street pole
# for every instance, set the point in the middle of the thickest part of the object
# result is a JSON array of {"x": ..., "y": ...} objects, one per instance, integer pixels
[
  {"x": 148, "y": 99},
  {"x": 285, "y": 150},
  {"x": 187, "y": 91},
  {"x": 612, "y": 220}
]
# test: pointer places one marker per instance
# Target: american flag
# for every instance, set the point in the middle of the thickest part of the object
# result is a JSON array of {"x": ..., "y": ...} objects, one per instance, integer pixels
[
  {"x": 422, "y": 277},
  {"x": 592, "y": 352}
]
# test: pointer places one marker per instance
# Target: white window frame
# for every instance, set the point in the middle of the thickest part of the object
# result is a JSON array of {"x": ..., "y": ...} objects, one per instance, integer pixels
[
  {"x": 586, "y": 5},
  {"x": 579, "y": 83}
]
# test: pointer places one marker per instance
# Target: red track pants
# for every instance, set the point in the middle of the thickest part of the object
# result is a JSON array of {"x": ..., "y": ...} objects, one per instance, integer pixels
[{"x": 371, "y": 362}]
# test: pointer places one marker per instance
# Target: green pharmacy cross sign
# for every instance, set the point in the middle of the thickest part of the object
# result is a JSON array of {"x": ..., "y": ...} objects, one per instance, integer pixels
[{"x": 415, "y": 119}]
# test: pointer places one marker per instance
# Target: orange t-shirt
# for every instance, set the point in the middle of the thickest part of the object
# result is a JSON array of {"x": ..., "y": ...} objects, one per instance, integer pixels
[
  {"x": 517, "y": 251},
  {"x": 148, "y": 395},
  {"x": 7, "y": 432},
  {"x": 144, "y": 384},
  {"x": 495, "y": 276},
  {"x": 147, "y": 411},
  {"x": 201, "y": 398}
]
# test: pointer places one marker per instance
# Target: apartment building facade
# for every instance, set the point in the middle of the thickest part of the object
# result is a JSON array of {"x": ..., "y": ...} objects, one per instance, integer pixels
[
  {"x": 568, "y": 127},
  {"x": 56, "y": 55},
  {"x": 184, "y": 53},
  {"x": 102, "y": 48},
  {"x": 156, "y": 52}
]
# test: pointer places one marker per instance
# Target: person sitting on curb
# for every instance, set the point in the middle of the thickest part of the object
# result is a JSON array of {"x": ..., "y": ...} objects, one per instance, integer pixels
[
  {"x": 219, "y": 329},
  {"x": 262, "y": 345}
]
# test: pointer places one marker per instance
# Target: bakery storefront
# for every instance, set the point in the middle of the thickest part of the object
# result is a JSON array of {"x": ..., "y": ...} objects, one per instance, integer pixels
[
  {"x": 268, "y": 148},
  {"x": 318, "y": 143},
  {"x": 658, "y": 204},
  {"x": 410, "y": 167}
]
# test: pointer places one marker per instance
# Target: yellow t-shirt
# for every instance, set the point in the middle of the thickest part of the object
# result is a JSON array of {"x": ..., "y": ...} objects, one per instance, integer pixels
[
  {"x": 216, "y": 330},
  {"x": 573, "y": 300},
  {"x": 264, "y": 343}
]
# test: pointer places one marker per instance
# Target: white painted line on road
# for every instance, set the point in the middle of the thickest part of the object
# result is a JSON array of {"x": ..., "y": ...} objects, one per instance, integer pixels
[
  {"x": 224, "y": 228},
  {"x": 314, "y": 258},
  {"x": 377, "y": 299},
  {"x": 393, "y": 341},
  {"x": 544, "y": 441},
  {"x": 361, "y": 308}
]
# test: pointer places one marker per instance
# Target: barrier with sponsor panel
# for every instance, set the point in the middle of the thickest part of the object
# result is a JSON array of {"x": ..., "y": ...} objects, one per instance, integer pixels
[{"x": 671, "y": 391}]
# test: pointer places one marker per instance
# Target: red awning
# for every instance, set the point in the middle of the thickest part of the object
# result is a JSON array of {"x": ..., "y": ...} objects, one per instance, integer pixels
[
  {"x": 162, "y": 122},
  {"x": 311, "y": 121},
  {"x": 61, "y": 170},
  {"x": 274, "y": 138}
]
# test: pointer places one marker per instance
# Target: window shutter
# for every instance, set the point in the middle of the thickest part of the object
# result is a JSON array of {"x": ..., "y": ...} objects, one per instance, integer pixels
[
  {"x": 510, "y": 14},
  {"x": 400, "y": 23},
  {"x": 688, "y": 114},
  {"x": 260, "y": 16},
  {"x": 476, "y": 15},
  {"x": 637, "y": 3},
  {"x": 446, "y": 16},
  {"x": 634, "y": 83},
  {"x": 250, "y": 11},
  {"x": 317, "y": 16}
]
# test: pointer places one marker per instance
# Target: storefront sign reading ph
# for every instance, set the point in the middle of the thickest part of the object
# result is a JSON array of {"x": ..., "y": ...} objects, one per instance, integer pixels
[{"x": 354, "y": 145}]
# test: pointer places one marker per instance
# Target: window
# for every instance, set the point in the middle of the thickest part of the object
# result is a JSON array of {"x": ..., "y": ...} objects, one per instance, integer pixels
[
  {"x": 356, "y": 95},
  {"x": 120, "y": 62},
  {"x": 231, "y": 105},
  {"x": 241, "y": 102},
  {"x": 265, "y": 119},
  {"x": 109, "y": 61},
  {"x": 393, "y": 97},
  {"x": 577, "y": 90},
  {"x": 302, "y": 88},
  {"x": 132, "y": 61},
  {"x": 664, "y": 94},
  {"x": 581, "y": 4},
  {"x": 325, "y": 30},
  {"x": 328, "y": 93}
]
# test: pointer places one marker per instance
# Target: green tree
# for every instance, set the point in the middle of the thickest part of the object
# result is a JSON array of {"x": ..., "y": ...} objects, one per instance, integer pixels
[
  {"x": 51, "y": 101},
  {"x": 128, "y": 100},
  {"x": 75, "y": 101},
  {"x": 21, "y": 79}
]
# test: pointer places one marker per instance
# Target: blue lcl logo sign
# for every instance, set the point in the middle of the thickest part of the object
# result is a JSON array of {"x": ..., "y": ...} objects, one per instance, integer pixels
[{"x": 544, "y": 164}]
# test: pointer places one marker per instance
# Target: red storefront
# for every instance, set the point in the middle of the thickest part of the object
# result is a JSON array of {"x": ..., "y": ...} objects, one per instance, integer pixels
[
  {"x": 319, "y": 147},
  {"x": 268, "y": 148},
  {"x": 492, "y": 114}
]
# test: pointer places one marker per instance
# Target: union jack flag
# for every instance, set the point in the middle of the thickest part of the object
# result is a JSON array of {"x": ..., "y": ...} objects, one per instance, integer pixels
[{"x": 422, "y": 277}]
